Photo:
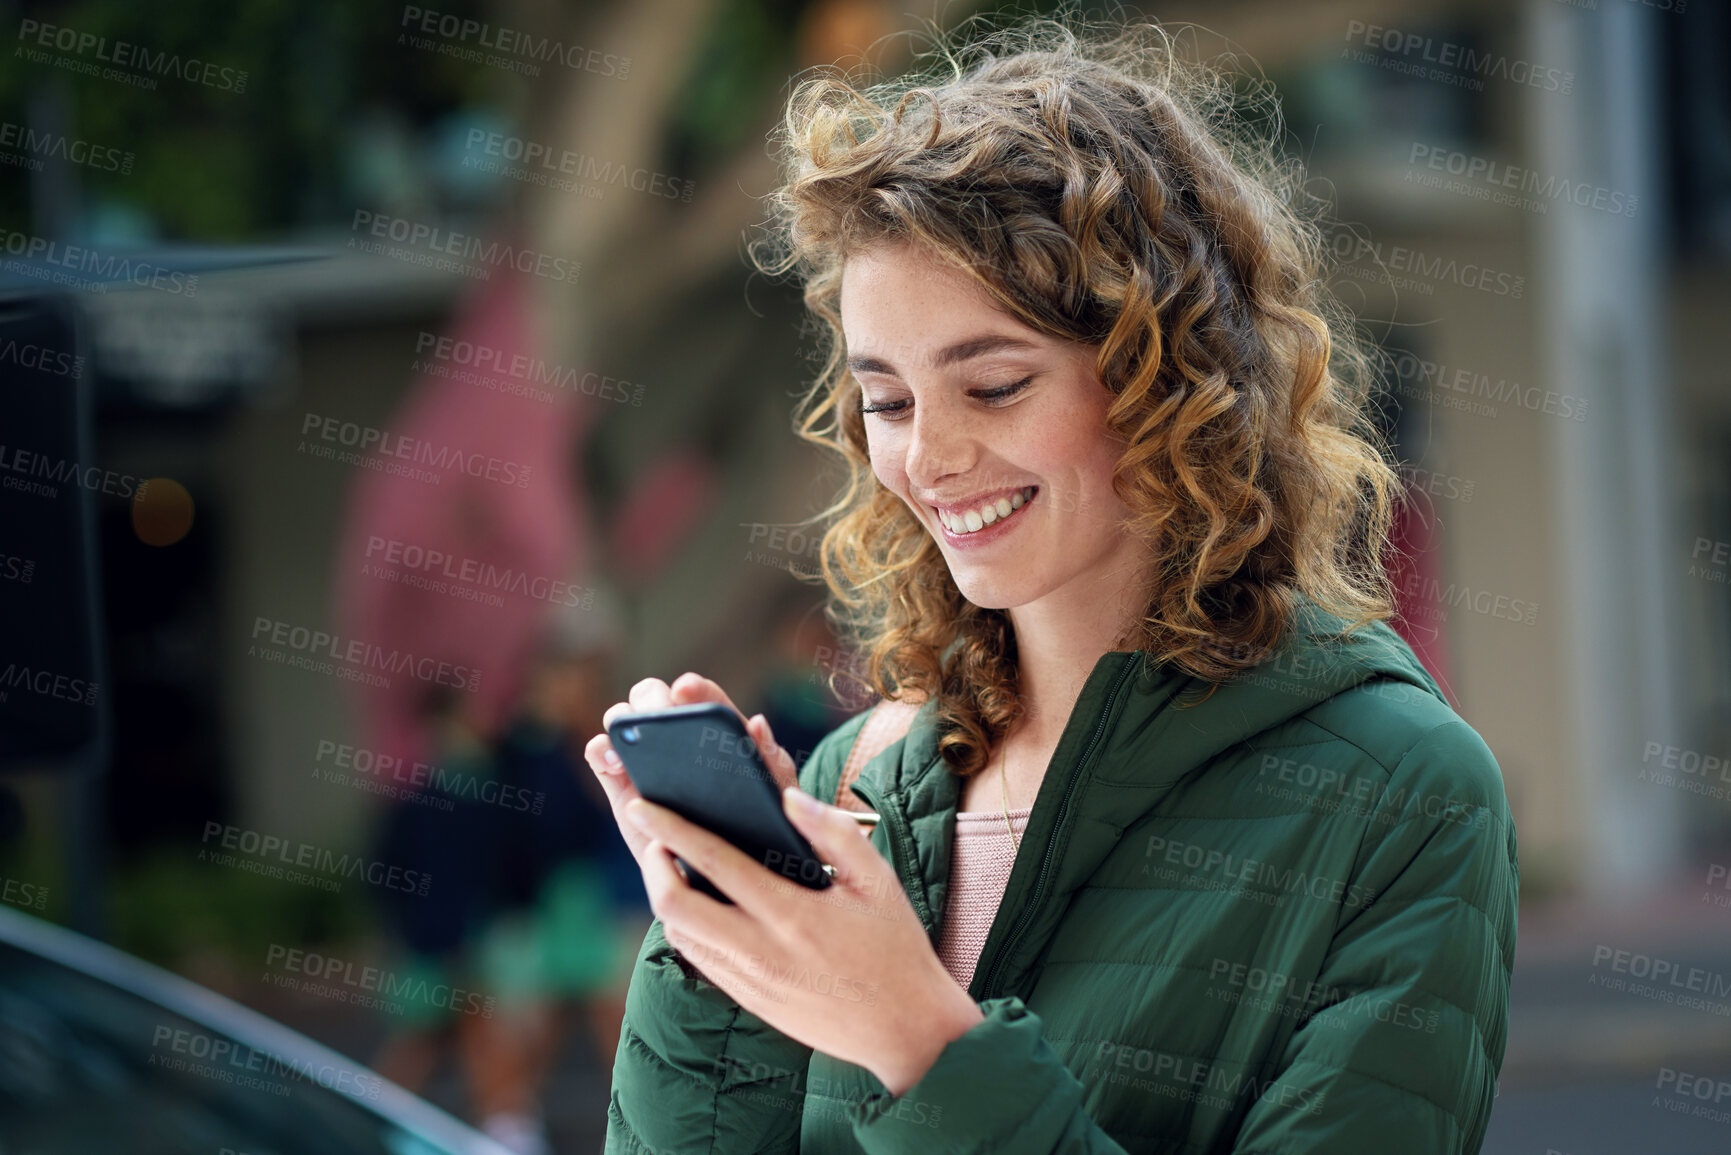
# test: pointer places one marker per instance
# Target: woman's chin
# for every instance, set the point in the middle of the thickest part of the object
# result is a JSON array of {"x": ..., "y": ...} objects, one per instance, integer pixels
[{"x": 981, "y": 590}]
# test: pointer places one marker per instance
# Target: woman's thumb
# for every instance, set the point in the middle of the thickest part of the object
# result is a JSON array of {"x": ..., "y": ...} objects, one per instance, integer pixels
[{"x": 832, "y": 832}]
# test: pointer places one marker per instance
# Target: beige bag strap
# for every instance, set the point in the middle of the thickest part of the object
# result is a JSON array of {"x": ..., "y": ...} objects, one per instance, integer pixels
[{"x": 889, "y": 720}]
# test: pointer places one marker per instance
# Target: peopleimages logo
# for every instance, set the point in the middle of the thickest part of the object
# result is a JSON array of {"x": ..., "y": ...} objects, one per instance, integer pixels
[
  {"x": 40, "y": 358},
  {"x": 440, "y": 568},
  {"x": 20, "y": 893},
  {"x": 481, "y": 256},
  {"x": 1188, "y": 1078},
  {"x": 31, "y": 146},
  {"x": 1710, "y": 560},
  {"x": 1495, "y": 175},
  {"x": 1690, "y": 1086},
  {"x": 1438, "y": 597},
  {"x": 540, "y": 162},
  {"x": 227, "y": 1061},
  {"x": 45, "y": 683},
  {"x": 1331, "y": 789},
  {"x": 16, "y": 569},
  {"x": 1688, "y": 770},
  {"x": 1457, "y": 64},
  {"x": 357, "y": 764},
  {"x": 521, "y": 368},
  {"x": 1476, "y": 392},
  {"x": 378, "y": 444},
  {"x": 526, "y": 47},
  {"x": 1205, "y": 860},
  {"x": 360, "y": 655},
  {"x": 36, "y": 252},
  {"x": 1403, "y": 268},
  {"x": 27, "y": 463},
  {"x": 1433, "y": 484},
  {"x": 277, "y": 852},
  {"x": 312, "y": 973}
]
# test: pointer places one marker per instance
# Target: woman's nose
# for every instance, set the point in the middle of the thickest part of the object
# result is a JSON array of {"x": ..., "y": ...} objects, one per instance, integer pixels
[{"x": 939, "y": 444}]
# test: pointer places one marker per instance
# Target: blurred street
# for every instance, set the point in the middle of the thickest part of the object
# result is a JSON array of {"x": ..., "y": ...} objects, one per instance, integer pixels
[{"x": 1586, "y": 1068}]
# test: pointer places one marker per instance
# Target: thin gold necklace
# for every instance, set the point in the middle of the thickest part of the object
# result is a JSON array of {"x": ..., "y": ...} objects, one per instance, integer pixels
[{"x": 1004, "y": 794}]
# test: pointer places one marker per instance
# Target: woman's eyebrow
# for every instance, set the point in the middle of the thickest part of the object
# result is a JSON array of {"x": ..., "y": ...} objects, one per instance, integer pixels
[{"x": 951, "y": 354}]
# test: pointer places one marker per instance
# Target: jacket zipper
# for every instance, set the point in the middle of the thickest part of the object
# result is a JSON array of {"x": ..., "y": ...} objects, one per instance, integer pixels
[
  {"x": 897, "y": 834},
  {"x": 1026, "y": 914}
]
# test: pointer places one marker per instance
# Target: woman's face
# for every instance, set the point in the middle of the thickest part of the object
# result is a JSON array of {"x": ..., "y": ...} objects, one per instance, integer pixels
[{"x": 978, "y": 415}]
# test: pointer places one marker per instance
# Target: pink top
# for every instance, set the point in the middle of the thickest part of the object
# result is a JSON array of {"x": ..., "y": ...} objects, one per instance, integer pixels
[{"x": 979, "y": 871}]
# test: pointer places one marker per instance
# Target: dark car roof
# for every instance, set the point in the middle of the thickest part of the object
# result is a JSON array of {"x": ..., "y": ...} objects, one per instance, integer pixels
[{"x": 191, "y": 1001}]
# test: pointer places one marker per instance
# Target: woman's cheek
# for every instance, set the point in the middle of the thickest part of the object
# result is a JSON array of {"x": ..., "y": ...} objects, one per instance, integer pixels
[{"x": 887, "y": 465}]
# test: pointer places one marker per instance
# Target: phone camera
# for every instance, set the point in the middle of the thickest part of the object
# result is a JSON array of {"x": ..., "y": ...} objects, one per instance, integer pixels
[{"x": 628, "y": 735}]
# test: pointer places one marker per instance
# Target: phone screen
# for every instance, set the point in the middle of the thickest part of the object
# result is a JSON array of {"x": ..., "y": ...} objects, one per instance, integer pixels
[{"x": 699, "y": 762}]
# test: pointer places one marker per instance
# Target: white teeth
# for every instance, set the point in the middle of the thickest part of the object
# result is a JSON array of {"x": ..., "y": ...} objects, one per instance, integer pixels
[{"x": 976, "y": 519}]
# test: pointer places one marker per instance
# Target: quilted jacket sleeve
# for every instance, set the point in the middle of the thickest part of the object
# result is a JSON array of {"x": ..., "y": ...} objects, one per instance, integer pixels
[
  {"x": 695, "y": 1072},
  {"x": 1404, "y": 1052},
  {"x": 1000, "y": 1089}
]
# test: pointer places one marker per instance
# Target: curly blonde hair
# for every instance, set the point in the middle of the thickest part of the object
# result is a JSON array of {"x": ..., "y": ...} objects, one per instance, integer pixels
[{"x": 1105, "y": 191}]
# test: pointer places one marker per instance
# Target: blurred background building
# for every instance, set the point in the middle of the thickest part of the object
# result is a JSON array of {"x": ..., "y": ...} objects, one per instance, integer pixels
[{"x": 532, "y": 258}]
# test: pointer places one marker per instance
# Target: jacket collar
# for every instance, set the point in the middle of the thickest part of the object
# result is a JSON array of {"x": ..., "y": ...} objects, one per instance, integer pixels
[{"x": 1139, "y": 727}]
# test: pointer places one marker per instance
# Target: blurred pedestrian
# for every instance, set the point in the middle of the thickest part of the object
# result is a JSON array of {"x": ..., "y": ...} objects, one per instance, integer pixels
[
  {"x": 537, "y": 904},
  {"x": 558, "y": 955}
]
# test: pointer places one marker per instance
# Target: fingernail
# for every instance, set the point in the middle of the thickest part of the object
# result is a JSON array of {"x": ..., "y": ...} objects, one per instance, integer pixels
[
  {"x": 640, "y": 814},
  {"x": 804, "y": 803},
  {"x": 770, "y": 745},
  {"x": 611, "y": 760}
]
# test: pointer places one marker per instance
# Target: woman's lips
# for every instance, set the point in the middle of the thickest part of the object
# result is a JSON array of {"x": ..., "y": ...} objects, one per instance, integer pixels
[{"x": 1000, "y": 525}]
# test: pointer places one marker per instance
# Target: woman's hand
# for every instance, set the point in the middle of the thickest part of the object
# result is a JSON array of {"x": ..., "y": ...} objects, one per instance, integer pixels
[
  {"x": 654, "y": 694},
  {"x": 847, "y": 970}
]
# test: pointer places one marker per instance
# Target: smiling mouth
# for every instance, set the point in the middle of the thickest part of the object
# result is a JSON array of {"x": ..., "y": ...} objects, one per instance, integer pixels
[{"x": 987, "y": 513}]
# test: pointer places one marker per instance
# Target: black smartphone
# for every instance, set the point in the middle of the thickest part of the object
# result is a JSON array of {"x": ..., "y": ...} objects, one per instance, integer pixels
[{"x": 699, "y": 762}]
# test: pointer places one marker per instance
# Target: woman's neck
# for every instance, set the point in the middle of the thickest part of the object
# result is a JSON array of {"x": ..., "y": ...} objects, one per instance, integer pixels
[{"x": 1059, "y": 638}]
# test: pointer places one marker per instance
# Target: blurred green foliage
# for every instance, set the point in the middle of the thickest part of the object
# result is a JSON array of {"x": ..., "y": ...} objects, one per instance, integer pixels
[
  {"x": 219, "y": 165},
  {"x": 742, "y": 66},
  {"x": 167, "y": 906}
]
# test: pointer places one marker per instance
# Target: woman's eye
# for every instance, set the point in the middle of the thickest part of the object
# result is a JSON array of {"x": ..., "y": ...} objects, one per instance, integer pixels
[
  {"x": 1003, "y": 391},
  {"x": 890, "y": 409}
]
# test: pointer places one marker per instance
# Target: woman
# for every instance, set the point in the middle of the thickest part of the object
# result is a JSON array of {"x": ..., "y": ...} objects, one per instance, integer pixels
[{"x": 1183, "y": 850}]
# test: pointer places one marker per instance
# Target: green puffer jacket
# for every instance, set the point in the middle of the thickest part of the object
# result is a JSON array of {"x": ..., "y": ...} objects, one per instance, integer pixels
[{"x": 1274, "y": 920}]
